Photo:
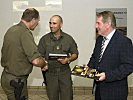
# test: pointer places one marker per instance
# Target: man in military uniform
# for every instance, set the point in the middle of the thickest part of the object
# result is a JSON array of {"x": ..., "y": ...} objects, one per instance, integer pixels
[
  {"x": 19, "y": 54},
  {"x": 58, "y": 76}
]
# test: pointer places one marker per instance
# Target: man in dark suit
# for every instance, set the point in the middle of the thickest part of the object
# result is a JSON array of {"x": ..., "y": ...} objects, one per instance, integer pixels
[{"x": 114, "y": 61}]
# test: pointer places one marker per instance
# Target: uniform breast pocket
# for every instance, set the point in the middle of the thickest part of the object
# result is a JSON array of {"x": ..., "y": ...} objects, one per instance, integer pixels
[
  {"x": 65, "y": 48},
  {"x": 49, "y": 46}
]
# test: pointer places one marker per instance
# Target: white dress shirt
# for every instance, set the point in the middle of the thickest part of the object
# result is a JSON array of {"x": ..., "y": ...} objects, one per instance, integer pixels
[{"x": 108, "y": 38}]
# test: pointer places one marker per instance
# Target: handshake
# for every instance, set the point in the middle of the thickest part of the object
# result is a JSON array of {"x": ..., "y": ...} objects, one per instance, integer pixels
[{"x": 85, "y": 71}]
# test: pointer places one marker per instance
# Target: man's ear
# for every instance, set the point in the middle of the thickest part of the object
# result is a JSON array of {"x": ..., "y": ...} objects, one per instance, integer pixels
[
  {"x": 61, "y": 24},
  {"x": 33, "y": 20},
  {"x": 108, "y": 23}
]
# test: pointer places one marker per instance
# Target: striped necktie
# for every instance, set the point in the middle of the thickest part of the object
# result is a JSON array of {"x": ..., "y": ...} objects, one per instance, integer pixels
[{"x": 102, "y": 47}]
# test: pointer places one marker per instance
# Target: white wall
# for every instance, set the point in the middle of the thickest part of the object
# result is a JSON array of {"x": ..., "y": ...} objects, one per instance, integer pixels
[{"x": 79, "y": 21}]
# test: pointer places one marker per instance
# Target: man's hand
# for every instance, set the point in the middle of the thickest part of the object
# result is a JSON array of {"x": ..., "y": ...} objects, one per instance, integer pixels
[
  {"x": 45, "y": 67},
  {"x": 63, "y": 60},
  {"x": 101, "y": 76},
  {"x": 68, "y": 60}
]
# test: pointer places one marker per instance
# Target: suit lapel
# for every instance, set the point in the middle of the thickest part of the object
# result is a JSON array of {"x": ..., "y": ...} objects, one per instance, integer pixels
[{"x": 110, "y": 45}]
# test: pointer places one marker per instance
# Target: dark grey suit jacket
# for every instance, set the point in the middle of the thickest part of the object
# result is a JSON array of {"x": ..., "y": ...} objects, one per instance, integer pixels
[{"x": 117, "y": 63}]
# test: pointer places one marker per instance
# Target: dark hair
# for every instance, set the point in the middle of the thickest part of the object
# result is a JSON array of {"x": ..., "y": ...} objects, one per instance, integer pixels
[
  {"x": 107, "y": 16},
  {"x": 29, "y": 14}
]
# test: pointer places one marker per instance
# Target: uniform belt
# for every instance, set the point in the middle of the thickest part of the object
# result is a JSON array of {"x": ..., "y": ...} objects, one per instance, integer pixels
[{"x": 20, "y": 76}]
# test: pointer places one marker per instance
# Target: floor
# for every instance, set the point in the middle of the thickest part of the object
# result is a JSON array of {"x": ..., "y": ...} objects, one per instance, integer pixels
[{"x": 80, "y": 93}]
